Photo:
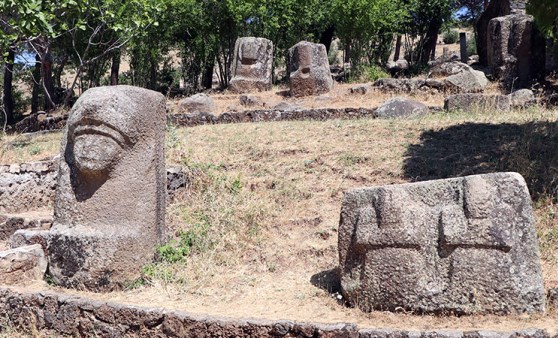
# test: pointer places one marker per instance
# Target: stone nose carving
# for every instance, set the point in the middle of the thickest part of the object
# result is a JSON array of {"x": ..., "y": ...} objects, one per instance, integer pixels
[{"x": 464, "y": 245}]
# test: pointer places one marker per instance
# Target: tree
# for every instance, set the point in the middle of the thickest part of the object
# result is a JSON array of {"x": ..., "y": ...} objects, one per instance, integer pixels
[
  {"x": 366, "y": 28},
  {"x": 546, "y": 16}
]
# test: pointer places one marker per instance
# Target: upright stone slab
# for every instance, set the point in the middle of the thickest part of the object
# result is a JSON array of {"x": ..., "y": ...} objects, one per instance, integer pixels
[
  {"x": 309, "y": 72},
  {"x": 252, "y": 65},
  {"x": 516, "y": 50},
  {"x": 109, "y": 207},
  {"x": 462, "y": 245}
]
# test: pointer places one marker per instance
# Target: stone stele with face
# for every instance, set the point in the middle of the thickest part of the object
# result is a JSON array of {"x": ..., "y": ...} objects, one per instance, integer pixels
[{"x": 110, "y": 199}]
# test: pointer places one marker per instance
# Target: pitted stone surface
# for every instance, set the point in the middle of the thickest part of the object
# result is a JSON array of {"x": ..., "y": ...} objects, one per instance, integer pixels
[
  {"x": 110, "y": 200},
  {"x": 463, "y": 245},
  {"x": 309, "y": 72},
  {"x": 23, "y": 264},
  {"x": 477, "y": 103},
  {"x": 252, "y": 65},
  {"x": 516, "y": 50}
]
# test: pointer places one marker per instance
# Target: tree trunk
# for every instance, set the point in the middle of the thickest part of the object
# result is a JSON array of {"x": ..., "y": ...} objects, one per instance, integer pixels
[
  {"x": 430, "y": 41},
  {"x": 48, "y": 82},
  {"x": 327, "y": 37},
  {"x": 397, "y": 48},
  {"x": 115, "y": 68},
  {"x": 8, "y": 84},
  {"x": 207, "y": 77},
  {"x": 152, "y": 74},
  {"x": 36, "y": 85},
  {"x": 59, "y": 70}
]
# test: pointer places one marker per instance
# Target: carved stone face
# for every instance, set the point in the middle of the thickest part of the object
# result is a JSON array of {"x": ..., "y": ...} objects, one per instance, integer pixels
[{"x": 98, "y": 135}]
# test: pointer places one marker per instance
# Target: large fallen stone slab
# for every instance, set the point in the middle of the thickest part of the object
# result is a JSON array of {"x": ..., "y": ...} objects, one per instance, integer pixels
[
  {"x": 198, "y": 103},
  {"x": 477, "y": 103},
  {"x": 462, "y": 245},
  {"x": 467, "y": 81},
  {"x": 22, "y": 265},
  {"x": 252, "y": 65},
  {"x": 109, "y": 208},
  {"x": 309, "y": 72}
]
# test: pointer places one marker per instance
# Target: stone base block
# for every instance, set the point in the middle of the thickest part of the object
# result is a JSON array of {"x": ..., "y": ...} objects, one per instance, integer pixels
[
  {"x": 81, "y": 258},
  {"x": 22, "y": 265}
]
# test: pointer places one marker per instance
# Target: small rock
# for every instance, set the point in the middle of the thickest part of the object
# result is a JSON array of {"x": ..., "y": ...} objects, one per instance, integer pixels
[
  {"x": 401, "y": 107},
  {"x": 199, "y": 103},
  {"x": 22, "y": 264},
  {"x": 522, "y": 98},
  {"x": 250, "y": 101},
  {"x": 448, "y": 68},
  {"x": 286, "y": 106},
  {"x": 362, "y": 89}
]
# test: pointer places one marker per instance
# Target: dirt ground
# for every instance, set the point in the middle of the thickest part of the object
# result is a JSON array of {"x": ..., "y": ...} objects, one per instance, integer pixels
[{"x": 269, "y": 195}]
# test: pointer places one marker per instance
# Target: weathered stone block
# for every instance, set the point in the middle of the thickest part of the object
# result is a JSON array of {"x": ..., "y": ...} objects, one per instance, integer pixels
[
  {"x": 110, "y": 200},
  {"x": 252, "y": 65},
  {"x": 463, "y": 245},
  {"x": 198, "y": 103},
  {"x": 477, "y": 103},
  {"x": 22, "y": 264},
  {"x": 516, "y": 50},
  {"x": 309, "y": 72}
]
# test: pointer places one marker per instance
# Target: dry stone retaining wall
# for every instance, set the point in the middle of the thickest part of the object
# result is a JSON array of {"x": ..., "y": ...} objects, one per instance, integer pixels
[
  {"x": 49, "y": 313},
  {"x": 29, "y": 186}
]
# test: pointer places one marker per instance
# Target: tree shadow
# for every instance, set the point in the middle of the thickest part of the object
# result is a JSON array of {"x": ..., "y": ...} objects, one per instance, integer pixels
[
  {"x": 530, "y": 149},
  {"x": 327, "y": 280}
]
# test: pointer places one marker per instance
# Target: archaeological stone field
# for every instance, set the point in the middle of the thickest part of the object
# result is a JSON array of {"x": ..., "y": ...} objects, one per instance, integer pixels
[{"x": 281, "y": 169}]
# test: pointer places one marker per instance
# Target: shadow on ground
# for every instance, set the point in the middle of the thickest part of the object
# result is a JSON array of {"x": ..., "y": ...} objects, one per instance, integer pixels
[
  {"x": 327, "y": 280},
  {"x": 477, "y": 148}
]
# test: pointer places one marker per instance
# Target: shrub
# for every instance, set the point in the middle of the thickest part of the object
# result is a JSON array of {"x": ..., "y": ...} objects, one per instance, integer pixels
[
  {"x": 450, "y": 37},
  {"x": 369, "y": 73}
]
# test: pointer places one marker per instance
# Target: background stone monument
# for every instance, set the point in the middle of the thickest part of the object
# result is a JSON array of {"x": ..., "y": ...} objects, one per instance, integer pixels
[
  {"x": 309, "y": 72},
  {"x": 110, "y": 200},
  {"x": 461, "y": 245},
  {"x": 252, "y": 65}
]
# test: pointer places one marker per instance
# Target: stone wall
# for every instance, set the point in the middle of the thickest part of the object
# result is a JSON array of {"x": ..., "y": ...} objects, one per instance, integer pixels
[
  {"x": 49, "y": 313},
  {"x": 29, "y": 186},
  {"x": 190, "y": 120}
]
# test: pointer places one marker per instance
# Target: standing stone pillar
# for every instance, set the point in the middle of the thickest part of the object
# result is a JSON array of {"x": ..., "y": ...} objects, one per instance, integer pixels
[
  {"x": 516, "y": 50},
  {"x": 109, "y": 208},
  {"x": 463, "y": 47},
  {"x": 252, "y": 65},
  {"x": 309, "y": 72}
]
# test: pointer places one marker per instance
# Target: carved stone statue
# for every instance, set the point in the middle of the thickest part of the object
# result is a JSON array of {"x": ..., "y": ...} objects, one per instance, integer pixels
[
  {"x": 110, "y": 199},
  {"x": 252, "y": 64},
  {"x": 461, "y": 245},
  {"x": 309, "y": 72}
]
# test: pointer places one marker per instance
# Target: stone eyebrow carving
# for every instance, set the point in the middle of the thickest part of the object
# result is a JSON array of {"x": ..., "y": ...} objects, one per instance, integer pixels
[{"x": 89, "y": 125}]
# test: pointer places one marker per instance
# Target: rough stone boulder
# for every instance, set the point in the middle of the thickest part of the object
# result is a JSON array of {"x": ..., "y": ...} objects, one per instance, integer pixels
[
  {"x": 22, "y": 264},
  {"x": 309, "y": 72},
  {"x": 252, "y": 65},
  {"x": 467, "y": 81},
  {"x": 250, "y": 101},
  {"x": 462, "y": 245},
  {"x": 477, "y": 103},
  {"x": 523, "y": 98},
  {"x": 516, "y": 50},
  {"x": 448, "y": 68},
  {"x": 198, "y": 103},
  {"x": 401, "y": 107},
  {"x": 109, "y": 208}
]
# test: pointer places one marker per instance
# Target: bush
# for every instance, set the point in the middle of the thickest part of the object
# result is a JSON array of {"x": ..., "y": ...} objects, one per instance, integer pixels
[
  {"x": 471, "y": 46},
  {"x": 366, "y": 73},
  {"x": 450, "y": 37}
]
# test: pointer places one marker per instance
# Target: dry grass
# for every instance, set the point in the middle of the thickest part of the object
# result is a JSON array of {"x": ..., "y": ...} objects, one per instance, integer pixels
[{"x": 261, "y": 216}]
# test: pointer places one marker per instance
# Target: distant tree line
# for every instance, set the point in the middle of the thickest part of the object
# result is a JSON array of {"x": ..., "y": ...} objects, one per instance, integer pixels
[{"x": 89, "y": 38}]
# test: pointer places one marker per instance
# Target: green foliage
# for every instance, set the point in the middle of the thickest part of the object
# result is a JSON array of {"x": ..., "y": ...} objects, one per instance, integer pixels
[
  {"x": 370, "y": 73},
  {"x": 193, "y": 239},
  {"x": 450, "y": 37},
  {"x": 366, "y": 28},
  {"x": 546, "y": 15},
  {"x": 471, "y": 46}
]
